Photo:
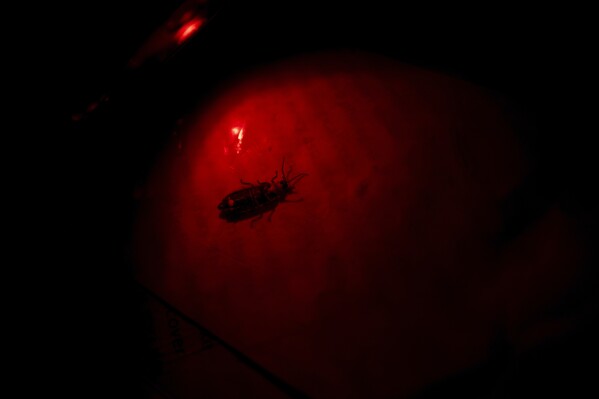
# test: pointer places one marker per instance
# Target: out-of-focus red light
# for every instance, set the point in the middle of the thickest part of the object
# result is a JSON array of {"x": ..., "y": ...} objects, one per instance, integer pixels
[{"x": 188, "y": 30}]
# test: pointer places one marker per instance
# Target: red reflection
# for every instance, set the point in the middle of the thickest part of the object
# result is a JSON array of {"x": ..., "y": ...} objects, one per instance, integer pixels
[
  {"x": 234, "y": 139},
  {"x": 238, "y": 132},
  {"x": 187, "y": 30}
]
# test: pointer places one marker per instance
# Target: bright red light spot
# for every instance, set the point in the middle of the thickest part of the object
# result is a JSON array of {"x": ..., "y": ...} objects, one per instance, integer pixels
[
  {"x": 238, "y": 132},
  {"x": 187, "y": 30}
]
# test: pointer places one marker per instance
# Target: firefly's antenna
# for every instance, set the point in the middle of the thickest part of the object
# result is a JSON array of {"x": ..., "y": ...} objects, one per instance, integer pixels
[{"x": 296, "y": 178}]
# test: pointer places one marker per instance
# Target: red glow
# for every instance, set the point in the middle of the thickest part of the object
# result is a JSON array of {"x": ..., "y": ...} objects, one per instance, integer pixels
[
  {"x": 188, "y": 30},
  {"x": 237, "y": 133},
  {"x": 388, "y": 242}
]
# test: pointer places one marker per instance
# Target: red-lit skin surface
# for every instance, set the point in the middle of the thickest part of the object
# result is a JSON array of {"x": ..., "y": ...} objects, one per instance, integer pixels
[{"x": 384, "y": 278}]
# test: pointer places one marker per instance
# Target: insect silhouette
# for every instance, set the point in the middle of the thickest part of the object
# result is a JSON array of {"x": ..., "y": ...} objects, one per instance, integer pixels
[{"x": 254, "y": 200}]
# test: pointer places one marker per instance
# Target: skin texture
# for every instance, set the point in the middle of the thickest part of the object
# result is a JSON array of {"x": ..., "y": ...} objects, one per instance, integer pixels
[{"x": 391, "y": 272}]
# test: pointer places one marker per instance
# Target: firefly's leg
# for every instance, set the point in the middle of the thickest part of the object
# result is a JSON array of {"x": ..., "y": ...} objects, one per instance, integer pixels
[
  {"x": 271, "y": 213},
  {"x": 254, "y": 220}
]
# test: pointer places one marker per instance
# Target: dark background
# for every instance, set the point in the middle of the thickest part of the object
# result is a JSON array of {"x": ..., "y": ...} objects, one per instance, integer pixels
[{"x": 534, "y": 57}]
